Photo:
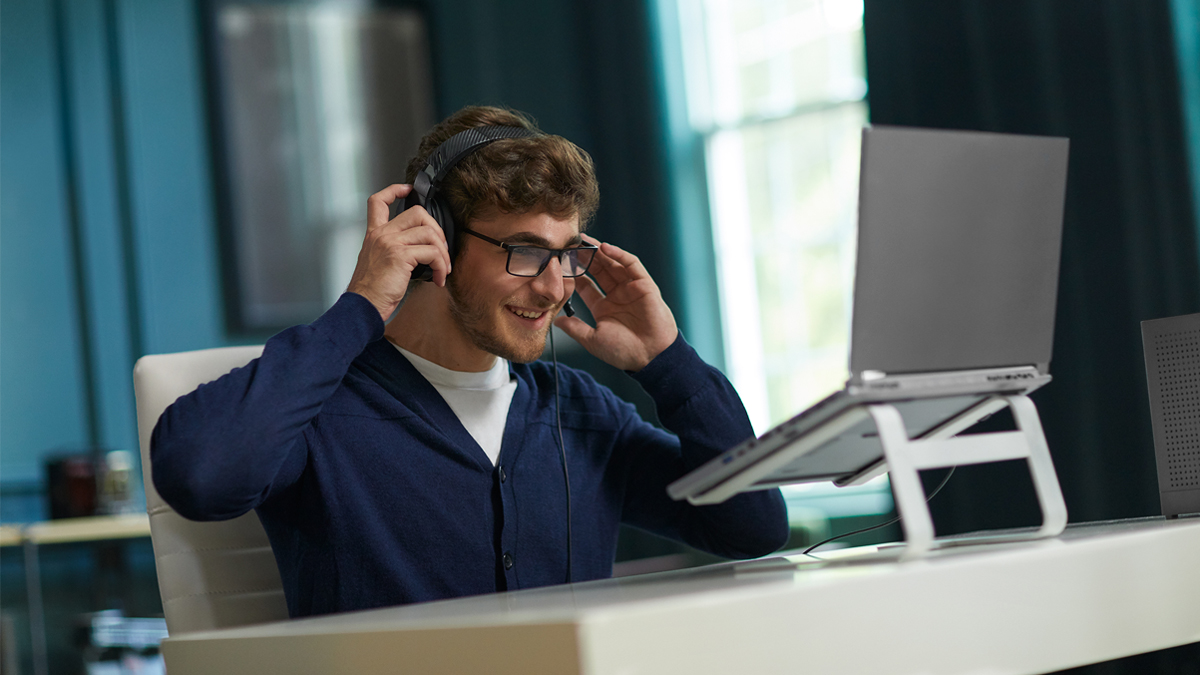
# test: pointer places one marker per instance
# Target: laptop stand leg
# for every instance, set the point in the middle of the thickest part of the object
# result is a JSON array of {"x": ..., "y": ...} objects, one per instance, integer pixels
[
  {"x": 906, "y": 458},
  {"x": 906, "y": 480},
  {"x": 1041, "y": 467}
]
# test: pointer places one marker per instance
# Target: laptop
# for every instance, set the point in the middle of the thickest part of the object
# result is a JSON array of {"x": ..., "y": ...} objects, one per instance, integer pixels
[{"x": 956, "y": 282}]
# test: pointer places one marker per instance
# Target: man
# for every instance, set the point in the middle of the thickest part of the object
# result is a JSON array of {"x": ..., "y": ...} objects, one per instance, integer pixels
[{"x": 428, "y": 465}]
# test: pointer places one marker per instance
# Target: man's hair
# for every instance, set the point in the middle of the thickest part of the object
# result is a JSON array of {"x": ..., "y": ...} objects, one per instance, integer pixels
[{"x": 512, "y": 175}]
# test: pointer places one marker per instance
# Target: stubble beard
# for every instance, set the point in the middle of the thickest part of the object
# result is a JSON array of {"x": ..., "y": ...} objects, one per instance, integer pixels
[{"x": 471, "y": 316}]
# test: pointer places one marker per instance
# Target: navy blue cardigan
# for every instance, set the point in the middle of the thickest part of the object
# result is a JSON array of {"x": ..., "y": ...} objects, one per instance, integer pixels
[{"x": 372, "y": 493}]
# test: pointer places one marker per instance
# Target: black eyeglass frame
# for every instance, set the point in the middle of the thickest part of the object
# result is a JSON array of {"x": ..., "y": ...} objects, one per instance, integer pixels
[{"x": 550, "y": 253}]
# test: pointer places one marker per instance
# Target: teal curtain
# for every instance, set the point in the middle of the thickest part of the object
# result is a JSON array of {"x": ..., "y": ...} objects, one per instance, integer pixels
[{"x": 1104, "y": 73}]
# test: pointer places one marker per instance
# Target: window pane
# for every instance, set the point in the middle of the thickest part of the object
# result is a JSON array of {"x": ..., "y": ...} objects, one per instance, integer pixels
[
  {"x": 318, "y": 107},
  {"x": 777, "y": 88},
  {"x": 784, "y": 197},
  {"x": 767, "y": 58}
]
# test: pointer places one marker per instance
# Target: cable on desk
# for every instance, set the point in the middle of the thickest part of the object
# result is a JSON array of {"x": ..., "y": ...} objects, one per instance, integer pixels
[{"x": 933, "y": 494}]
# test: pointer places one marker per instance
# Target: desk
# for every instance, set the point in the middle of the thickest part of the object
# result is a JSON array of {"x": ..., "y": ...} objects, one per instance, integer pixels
[
  {"x": 1098, "y": 592},
  {"x": 92, "y": 528},
  {"x": 63, "y": 531}
]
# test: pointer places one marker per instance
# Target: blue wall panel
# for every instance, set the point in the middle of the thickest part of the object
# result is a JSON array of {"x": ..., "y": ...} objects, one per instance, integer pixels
[
  {"x": 170, "y": 187},
  {"x": 89, "y": 98},
  {"x": 122, "y": 124},
  {"x": 41, "y": 387}
]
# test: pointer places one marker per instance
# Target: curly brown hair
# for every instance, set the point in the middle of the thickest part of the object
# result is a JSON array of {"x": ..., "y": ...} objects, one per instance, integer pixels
[{"x": 513, "y": 175}]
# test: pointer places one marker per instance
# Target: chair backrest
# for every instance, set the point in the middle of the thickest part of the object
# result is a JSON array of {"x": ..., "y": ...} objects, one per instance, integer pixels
[{"x": 215, "y": 574}]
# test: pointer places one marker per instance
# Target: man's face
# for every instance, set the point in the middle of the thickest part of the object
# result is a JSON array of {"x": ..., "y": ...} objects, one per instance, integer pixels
[{"x": 502, "y": 314}]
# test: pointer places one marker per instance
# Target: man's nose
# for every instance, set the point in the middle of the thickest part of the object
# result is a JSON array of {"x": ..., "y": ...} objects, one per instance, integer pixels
[{"x": 550, "y": 282}]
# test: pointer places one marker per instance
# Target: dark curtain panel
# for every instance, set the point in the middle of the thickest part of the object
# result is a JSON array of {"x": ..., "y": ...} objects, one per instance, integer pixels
[
  {"x": 585, "y": 70},
  {"x": 1104, "y": 74}
]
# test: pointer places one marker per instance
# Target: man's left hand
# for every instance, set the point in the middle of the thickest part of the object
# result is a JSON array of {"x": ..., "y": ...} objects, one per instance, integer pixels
[{"x": 633, "y": 324}]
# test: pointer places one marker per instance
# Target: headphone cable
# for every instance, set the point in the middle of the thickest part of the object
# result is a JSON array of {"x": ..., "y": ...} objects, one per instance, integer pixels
[{"x": 562, "y": 447}]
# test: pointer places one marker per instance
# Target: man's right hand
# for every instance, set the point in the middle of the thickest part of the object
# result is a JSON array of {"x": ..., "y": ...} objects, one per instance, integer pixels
[{"x": 393, "y": 249}]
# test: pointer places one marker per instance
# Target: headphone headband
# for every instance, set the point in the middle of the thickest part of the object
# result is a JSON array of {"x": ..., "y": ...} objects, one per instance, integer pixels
[{"x": 454, "y": 149}]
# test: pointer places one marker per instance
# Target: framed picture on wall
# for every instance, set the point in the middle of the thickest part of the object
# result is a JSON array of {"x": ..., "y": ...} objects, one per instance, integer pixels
[{"x": 313, "y": 107}]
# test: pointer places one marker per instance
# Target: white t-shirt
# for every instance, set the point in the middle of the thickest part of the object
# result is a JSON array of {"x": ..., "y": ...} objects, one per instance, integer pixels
[{"x": 480, "y": 400}]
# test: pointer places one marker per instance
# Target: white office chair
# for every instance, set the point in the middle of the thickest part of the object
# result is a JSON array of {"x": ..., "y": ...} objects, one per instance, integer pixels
[{"x": 210, "y": 575}]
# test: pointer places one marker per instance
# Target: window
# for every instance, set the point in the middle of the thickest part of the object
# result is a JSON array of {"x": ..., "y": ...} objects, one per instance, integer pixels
[{"x": 776, "y": 89}]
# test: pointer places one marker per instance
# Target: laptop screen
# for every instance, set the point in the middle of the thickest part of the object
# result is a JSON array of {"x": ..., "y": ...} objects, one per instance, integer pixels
[{"x": 958, "y": 249}]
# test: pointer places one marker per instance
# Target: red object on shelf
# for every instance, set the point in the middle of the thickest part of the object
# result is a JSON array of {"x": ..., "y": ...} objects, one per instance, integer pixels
[{"x": 72, "y": 486}]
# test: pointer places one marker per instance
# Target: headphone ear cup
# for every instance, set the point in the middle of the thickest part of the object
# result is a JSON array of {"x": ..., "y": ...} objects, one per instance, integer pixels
[
  {"x": 442, "y": 215},
  {"x": 396, "y": 207},
  {"x": 413, "y": 199},
  {"x": 420, "y": 272},
  {"x": 424, "y": 272},
  {"x": 401, "y": 205}
]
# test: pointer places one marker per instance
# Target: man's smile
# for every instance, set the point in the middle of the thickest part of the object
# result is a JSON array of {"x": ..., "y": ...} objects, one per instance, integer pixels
[
  {"x": 530, "y": 318},
  {"x": 526, "y": 313}
]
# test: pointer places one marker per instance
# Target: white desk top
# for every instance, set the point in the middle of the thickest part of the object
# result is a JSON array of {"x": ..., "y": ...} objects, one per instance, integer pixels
[{"x": 1096, "y": 593}]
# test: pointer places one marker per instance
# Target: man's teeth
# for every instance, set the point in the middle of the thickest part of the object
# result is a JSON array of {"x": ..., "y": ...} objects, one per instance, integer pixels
[{"x": 525, "y": 314}]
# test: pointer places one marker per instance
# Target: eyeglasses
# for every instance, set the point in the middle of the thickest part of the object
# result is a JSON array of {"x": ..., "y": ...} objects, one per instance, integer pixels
[{"x": 531, "y": 261}]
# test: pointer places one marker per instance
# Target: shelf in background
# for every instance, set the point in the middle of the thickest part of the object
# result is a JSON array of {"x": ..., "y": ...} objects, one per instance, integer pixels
[{"x": 91, "y": 528}]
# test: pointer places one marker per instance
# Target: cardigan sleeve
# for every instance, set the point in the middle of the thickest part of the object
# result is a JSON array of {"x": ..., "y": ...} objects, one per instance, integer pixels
[
  {"x": 223, "y": 449},
  {"x": 699, "y": 405}
]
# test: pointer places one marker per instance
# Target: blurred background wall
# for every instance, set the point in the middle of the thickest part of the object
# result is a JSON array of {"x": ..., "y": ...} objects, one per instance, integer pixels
[{"x": 113, "y": 245}]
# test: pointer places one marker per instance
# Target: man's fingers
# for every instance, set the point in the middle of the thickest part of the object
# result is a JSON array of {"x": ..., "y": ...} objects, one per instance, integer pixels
[
  {"x": 437, "y": 239},
  {"x": 417, "y": 216},
  {"x": 589, "y": 291},
  {"x": 417, "y": 243},
  {"x": 415, "y": 225},
  {"x": 433, "y": 256},
  {"x": 427, "y": 255},
  {"x": 614, "y": 253},
  {"x": 613, "y": 266},
  {"x": 625, "y": 259},
  {"x": 605, "y": 269},
  {"x": 577, "y": 329},
  {"x": 379, "y": 204}
]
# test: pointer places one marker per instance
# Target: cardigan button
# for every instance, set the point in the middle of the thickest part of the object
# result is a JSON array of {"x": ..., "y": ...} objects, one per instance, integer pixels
[
  {"x": 508, "y": 561},
  {"x": 503, "y": 476}
]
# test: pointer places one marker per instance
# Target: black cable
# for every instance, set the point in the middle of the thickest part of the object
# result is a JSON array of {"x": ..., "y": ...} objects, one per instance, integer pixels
[
  {"x": 562, "y": 447},
  {"x": 933, "y": 494}
]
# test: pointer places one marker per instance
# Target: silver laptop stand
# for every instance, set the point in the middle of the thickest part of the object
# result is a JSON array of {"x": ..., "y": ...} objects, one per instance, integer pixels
[{"x": 905, "y": 458}]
